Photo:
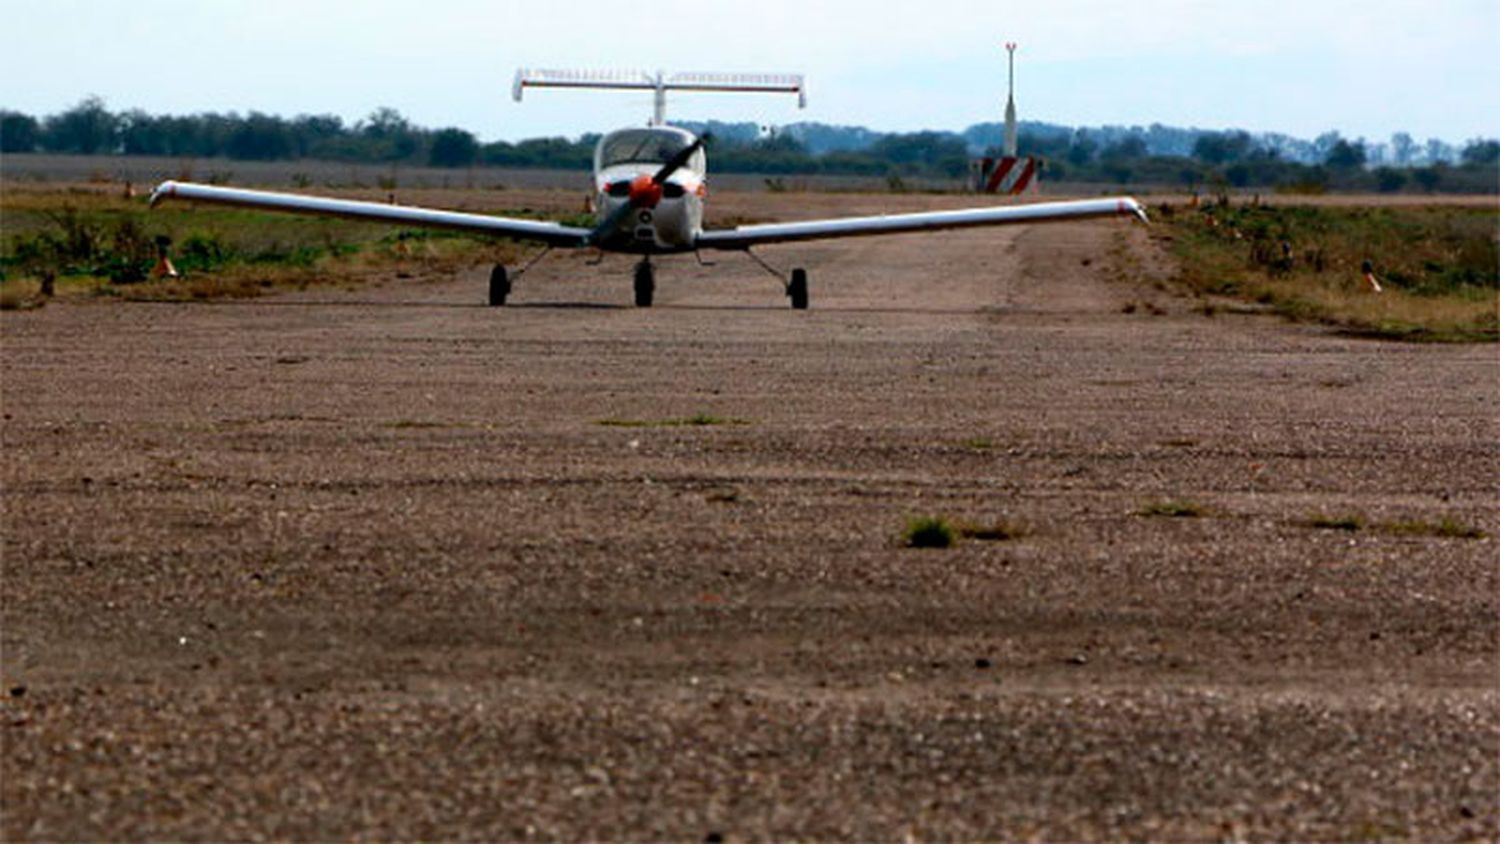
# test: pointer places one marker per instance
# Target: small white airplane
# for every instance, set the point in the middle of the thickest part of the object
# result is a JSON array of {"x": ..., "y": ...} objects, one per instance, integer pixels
[{"x": 650, "y": 185}]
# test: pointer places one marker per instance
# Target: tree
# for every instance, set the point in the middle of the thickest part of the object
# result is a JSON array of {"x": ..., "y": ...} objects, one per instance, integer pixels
[
  {"x": 1480, "y": 151},
  {"x": 781, "y": 142},
  {"x": 1042, "y": 145},
  {"x": 1323, "y": 144},
  {"x": 311, "y": 133},
  {"x": 921, "y": 148},
  {"x": 86, "y": 128},
  {"x": 1126, "y": 149},
  {"x": 453, "y": 148},
  {"x": 1222, "y": 147},
  {"x": 260, "y": 137},
  {"x": 1081, "y": 150},
  {"x": 1438, "y": 151},
  {"x": 142, "y": 134},
  {"x": 1403, "y": 148},
  {"x": 1345, "y": 155},
  {"x": 1427, "y": 177},
  {"x": 18, "y": 132},
  {"x": 1388, "y": 180},
  {"x": 393, "y": 134}
]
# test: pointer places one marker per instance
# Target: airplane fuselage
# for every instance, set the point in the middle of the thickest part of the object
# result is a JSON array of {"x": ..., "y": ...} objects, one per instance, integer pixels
[{"x": 665, "y": 218}]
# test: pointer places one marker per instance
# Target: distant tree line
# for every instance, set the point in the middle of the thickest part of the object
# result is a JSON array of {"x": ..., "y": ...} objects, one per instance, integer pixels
[{"x": 1155, "y": 155}]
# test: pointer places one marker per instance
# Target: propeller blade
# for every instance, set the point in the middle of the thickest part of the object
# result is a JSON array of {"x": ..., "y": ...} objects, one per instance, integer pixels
[
  {"x": 677, "y": 161},
  {"x": 609, "y": 224}
]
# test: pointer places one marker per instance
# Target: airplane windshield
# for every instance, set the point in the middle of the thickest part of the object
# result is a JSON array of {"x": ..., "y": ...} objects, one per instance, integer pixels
[{"x": 644, "y": 146}]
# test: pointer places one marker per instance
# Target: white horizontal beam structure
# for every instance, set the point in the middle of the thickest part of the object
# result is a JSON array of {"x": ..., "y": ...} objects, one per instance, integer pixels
[
  {"x": 767, "y": 83},
  {"x": 745, "y": 237},
  {"x": 621, "y": 80},
  {"x": 660, "y": 83}
]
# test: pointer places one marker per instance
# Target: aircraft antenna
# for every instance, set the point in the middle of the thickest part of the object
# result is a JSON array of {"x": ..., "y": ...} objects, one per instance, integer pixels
[
  {"x": 660, "y": 83},
  {"x": 1011, "y": 142}
]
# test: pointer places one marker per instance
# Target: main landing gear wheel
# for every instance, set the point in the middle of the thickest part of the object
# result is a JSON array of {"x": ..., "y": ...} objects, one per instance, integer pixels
[
  {"x": 796, "y": 289},
  {"x": 499, "y": 286},
  {"x": 645, "y": 284}
]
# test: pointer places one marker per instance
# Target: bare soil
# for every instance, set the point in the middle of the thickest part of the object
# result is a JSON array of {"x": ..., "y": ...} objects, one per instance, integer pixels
[{"x": 367, "y": 565}]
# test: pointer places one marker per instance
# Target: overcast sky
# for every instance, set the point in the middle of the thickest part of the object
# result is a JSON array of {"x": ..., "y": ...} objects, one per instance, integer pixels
[{"x": 1302, "y": 67}]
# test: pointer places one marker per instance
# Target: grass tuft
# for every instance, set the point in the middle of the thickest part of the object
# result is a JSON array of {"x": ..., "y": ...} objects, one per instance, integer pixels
[
  {"x": 1447, "y": 527},
  {"x": 1349, "y": 522},
  {"x": 700, "y": 420},
  {"x": 1175, "y": 508},
  {"x": 12, "y": 298},
  {"x": 929, "y": 532}
]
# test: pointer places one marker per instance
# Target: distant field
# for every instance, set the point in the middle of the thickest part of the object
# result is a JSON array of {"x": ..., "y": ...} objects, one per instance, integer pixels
[{"x": 143, "y": 171}]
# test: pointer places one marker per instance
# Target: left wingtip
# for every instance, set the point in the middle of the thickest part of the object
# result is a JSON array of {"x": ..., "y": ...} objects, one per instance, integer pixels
[{"x": 1129, "y": 205}]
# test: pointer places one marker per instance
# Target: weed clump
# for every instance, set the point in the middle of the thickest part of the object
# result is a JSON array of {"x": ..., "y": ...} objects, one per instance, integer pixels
[
  {"x": 1350, "y": 522},
  {"x": 929, "y": 532},
  {"x": 1447, "y": 527},
  {"x": 699, "y": 420}
]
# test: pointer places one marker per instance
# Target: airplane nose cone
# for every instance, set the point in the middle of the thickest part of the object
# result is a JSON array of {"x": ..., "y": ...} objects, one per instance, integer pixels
[{"x": 644, "y": 193}]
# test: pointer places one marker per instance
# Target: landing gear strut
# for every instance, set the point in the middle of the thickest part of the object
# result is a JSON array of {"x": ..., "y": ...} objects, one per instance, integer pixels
[
  {"x": 796, "y": 284},
  {"x": 500, "y": 280},
  {"x": 499, "y": 286},
  {"x": 645, "y": 283}
]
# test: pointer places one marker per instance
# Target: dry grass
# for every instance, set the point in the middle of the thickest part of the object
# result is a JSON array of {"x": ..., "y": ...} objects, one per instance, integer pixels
[
  {"x": 1347, "y": 521},
  {"x": 100, "y": 243},
  {"x": 1437, "y": 265},
  {"x": 999, "y": 530},
  {"x": 699, "y": 420},
  {"x": 22, "y": 295},
  {"x": 1446, "y": 528}
]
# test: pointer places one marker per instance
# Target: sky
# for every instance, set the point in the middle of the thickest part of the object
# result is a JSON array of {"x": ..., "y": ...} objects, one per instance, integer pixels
[{"x": 1300, "y": 67}]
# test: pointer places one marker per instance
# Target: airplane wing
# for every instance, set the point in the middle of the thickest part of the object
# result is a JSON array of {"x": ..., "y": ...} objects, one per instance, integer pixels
[
  {"x": 744, "y": 237},
  {"x": 554, "y": 234}
]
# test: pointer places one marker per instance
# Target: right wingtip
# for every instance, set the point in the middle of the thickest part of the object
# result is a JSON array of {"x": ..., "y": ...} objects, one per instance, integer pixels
[{"x": 162, "y": 191}]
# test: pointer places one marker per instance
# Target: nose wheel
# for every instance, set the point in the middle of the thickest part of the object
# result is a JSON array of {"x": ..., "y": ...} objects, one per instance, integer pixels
[{"x": 645, "y": 284}]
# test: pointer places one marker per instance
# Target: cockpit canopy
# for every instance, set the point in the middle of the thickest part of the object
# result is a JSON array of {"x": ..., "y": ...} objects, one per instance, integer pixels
[{"x": 652, "y": 146}]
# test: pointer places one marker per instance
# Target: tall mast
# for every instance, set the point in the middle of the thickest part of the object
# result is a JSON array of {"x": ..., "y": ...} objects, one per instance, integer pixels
[{"x": 1011, "y": 142}]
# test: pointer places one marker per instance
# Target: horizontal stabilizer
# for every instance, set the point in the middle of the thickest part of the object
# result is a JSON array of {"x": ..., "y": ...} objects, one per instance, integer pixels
[{"x": 640, "y": 80}]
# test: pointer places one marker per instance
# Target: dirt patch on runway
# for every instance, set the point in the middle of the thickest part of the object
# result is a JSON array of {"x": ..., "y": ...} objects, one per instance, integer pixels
[{"x": 339, "y": 564}]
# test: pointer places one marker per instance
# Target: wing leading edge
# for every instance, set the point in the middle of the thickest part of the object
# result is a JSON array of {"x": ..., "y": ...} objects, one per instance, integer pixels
[
  {"x": 554, "y": 234},
  {"x": 745, "y": 237}
]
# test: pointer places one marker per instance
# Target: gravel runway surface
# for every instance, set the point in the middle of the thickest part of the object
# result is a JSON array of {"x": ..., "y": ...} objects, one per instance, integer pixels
[{"x": 390, "y": 564}]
